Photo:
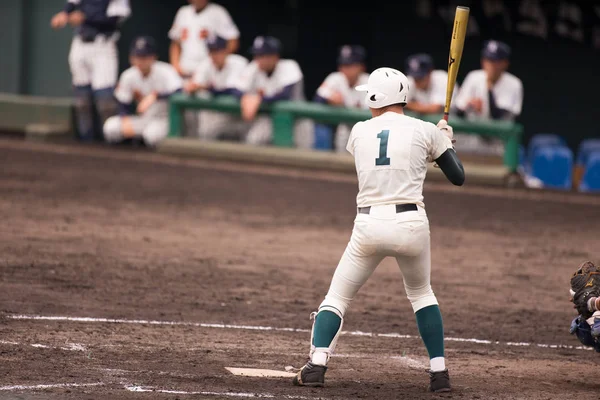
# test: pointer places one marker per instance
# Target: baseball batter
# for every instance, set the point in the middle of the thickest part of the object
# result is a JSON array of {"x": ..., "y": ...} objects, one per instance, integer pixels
[
  {"x": 338, "y": 88},
  {"x": 93, "y": 58},
  {"x": 391, "y": 152},
  {"x": 428, "y": 85},
  {"x": 213, "y": 77},
  {"x": 266, "y": 79},
  {"x": 143, "y": 91}
]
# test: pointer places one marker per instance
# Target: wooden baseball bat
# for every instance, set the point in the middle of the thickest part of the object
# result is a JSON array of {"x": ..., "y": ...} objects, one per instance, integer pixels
[{"x": 459, "y": 31}]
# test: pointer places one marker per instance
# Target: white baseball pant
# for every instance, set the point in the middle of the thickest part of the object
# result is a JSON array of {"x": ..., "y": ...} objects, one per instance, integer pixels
[
  {"x": 94, "y": 64},
  {"x": 212, "y": 124},
  {"x": 383, "y": 233},
  {"x": 261, "y": 132}
]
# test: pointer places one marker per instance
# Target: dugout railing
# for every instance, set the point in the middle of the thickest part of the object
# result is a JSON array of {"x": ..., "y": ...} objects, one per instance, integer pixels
[{"x": 284, "y": 114}]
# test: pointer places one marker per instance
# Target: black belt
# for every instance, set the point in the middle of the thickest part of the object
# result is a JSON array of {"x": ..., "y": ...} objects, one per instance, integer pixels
[{"x": 399, "y": 208}]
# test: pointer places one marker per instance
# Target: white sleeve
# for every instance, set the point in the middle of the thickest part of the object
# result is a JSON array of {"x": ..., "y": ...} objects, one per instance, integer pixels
[
  {"x": 352, "y": 138},
  {"x": 200, "y": 76},
  {"x": 464, "y": 94},
  {"x": 123, "y": 91},
  {"x": 173, "y": 81},
  {"x": 118, "y": 8},
  {"x": 517, "y": 104},
  {"x": 177, "y": 28},
  {"x": 75, "y": 2},
  {"x": 236, "y": 71},
  {"x": 439, "y": 142},
  {"x": 438, "y": 93},
  {"x": 289, "y": 74},
  {"x": 227, "y": 29},
  {"x": 329, "y": 86},
  {"x": 245, "y": 80}
]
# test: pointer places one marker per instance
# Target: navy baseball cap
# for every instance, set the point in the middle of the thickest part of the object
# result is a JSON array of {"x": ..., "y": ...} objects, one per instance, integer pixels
[
  {"x": 495, "y": 51},
  {"x": 419, "y": 65},
  {"x": 143, "y": 46},
  {"x": 215, "y": 43},
  {"x": 351, "y": 54},
  {"x": 264, "y": 45}
]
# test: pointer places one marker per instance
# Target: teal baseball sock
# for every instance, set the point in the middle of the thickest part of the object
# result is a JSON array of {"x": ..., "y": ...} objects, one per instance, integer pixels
[
  {"x": 326, "y": 327},
  {"x": 431, "y": 329},
  {"x": 327, "y": 324}
]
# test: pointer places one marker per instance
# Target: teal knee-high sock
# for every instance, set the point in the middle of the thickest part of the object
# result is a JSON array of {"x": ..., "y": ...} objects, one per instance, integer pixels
[
  {"x": 431, "y": 329},
  {"x": 327, "y": 324}
]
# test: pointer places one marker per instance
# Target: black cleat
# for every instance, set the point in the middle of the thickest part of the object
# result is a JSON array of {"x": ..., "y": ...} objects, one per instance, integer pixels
[
  {"x": 439, "y": 381},
  {"x": 311, "y": 375}
]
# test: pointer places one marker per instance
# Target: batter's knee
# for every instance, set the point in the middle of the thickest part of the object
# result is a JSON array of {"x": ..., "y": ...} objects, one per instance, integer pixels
[
  {"x": 112, "y": 129},
  {"x": 335, "y": 304},
  {"x": 421, "y": 298}
]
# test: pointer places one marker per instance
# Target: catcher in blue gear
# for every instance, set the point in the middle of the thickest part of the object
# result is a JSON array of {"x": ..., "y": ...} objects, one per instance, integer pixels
[{"x": 585, "y": 295}]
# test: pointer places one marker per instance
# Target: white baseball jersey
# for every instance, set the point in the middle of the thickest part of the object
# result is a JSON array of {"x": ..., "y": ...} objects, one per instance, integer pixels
[
  {"x": 391, "y": 152},
  {"x": 337, "y": 82},
  {"x": 208, "y": 75},
  {"x": 436, "y": 93},
  {"x": 286, "y": 73},
  {"x": 191, "y": 28},
  {"x": 508, "y": 93},
  {"x": 163, "y": 80}
]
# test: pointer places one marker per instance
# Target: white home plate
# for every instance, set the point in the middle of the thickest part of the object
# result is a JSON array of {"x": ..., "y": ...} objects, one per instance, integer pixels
[{"x": 265, "y": 373}]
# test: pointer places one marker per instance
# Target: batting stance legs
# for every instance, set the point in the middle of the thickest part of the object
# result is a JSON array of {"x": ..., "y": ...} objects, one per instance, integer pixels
[{"x": 382, "y": 233}]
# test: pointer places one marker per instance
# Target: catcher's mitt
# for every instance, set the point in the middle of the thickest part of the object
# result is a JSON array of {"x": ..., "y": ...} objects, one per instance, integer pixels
[{"x": 585, "y": 283}]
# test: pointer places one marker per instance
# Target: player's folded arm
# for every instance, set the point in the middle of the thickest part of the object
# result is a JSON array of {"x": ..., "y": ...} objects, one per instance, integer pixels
[
  {"x": 451, "y": 166},
  {"x": 283, "y": 94}
]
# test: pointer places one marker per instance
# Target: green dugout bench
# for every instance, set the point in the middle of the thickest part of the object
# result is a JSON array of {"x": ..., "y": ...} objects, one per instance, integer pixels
[{"x": 284, "y": 114}]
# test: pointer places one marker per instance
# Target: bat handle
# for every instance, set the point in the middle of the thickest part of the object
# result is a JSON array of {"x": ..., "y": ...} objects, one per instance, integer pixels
[{"x": 446, "y": 116}]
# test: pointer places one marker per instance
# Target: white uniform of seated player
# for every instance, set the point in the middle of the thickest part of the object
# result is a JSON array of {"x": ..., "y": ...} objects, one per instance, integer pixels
[
  {"x": 148, "y": 83},
  {"x": 267, "y": 79},
  {"x": 338, "y": 88},
  {"x": 489, "y": 94},
  {"x": 427, "y": 93},
  {"x": 214, "y": 77}
]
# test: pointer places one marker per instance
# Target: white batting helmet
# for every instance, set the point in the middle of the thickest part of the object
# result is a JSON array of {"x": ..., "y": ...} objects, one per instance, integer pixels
[{"x": 385, "y": 86}]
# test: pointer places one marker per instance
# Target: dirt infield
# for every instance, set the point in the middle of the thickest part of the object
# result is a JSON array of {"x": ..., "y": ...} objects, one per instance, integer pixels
[{"x": 132, "y": 276}]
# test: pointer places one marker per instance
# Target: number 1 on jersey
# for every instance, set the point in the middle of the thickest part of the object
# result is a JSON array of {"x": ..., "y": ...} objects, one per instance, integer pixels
[{"x": 383, "y": 159}]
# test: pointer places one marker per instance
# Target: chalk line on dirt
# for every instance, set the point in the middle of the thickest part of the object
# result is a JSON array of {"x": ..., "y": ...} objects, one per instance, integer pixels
[
  {"x": 278, "y": 329},
  {"x": 48, "y": 386},
  {"x": 66, "y": 347},
  {"x": 245, "y": 395}
]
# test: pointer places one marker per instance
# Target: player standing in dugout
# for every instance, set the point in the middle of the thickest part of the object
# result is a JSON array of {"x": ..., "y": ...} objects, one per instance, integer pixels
[{"x": 93, "y": 59}]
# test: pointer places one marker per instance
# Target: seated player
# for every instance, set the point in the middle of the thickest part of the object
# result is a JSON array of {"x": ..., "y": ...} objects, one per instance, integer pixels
[
  {"x": 428, "y": 85},
  {"x": 269, "y": 78},
  {"x": 215, "y": 76},
  {"x": 143, "y": 91},
  {"x": 338, "y": 89},
  {"x": 585, "y": 294},
  {"x": 488, "y": 94}
]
